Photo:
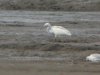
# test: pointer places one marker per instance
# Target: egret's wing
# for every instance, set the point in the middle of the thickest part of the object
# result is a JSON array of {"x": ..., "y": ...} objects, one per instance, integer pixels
[
  {"x": 97, "y": 56},
  {"x": 60, "y": 29},
  {"x": 94, "y": 57}
]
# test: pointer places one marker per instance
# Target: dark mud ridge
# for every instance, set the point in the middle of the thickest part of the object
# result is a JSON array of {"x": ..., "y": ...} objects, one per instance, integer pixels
[
  {"x": 69, "y": 5},
  {"x": 52, "y": 46}
]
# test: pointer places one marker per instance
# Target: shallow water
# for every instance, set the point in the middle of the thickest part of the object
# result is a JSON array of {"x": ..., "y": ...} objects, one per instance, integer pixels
[
  {"x": 29, "y": 28},
  {"x": 44, "y": 16}
]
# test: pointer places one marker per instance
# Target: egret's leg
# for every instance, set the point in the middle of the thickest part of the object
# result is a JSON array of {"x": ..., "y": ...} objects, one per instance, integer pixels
[
  {"x": 55, "y": 37},
  {"x": 66, "y": 36},
  {"x": 59, "y": 38}
]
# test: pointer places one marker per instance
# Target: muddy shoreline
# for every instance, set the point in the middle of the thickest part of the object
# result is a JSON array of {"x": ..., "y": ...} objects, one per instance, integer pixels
[{"x": 25, "y": 47}]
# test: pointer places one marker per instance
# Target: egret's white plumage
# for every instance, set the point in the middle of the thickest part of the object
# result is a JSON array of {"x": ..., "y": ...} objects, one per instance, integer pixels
[
  {"x": 93, "y": 57},
  {"x": 57, "y": 31}
]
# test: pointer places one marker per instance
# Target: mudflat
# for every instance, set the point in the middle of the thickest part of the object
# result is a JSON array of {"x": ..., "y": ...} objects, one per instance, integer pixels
[{"x": 26, "y": 49}]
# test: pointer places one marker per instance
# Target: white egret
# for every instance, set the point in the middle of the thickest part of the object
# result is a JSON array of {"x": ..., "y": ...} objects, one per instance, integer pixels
[
  {"x": 57, "y": 31},
  {"x": 93, "y": 57}
]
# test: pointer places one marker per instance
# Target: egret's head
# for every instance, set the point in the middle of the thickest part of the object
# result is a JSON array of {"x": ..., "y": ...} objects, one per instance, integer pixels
[
  {"x": 47, "y": 25},
  {"x": 87, "y": 58},
  {"x": 90, "y": 58}
]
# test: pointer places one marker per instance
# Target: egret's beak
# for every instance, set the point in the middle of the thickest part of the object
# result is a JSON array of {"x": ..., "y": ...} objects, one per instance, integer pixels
[
  {"x": 87, "y": 58},
  {"x": 43, "y": 27}
]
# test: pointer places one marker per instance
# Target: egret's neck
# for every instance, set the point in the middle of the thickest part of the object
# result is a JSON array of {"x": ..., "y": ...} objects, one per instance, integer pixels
[{"x": 49, "y": 27}]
